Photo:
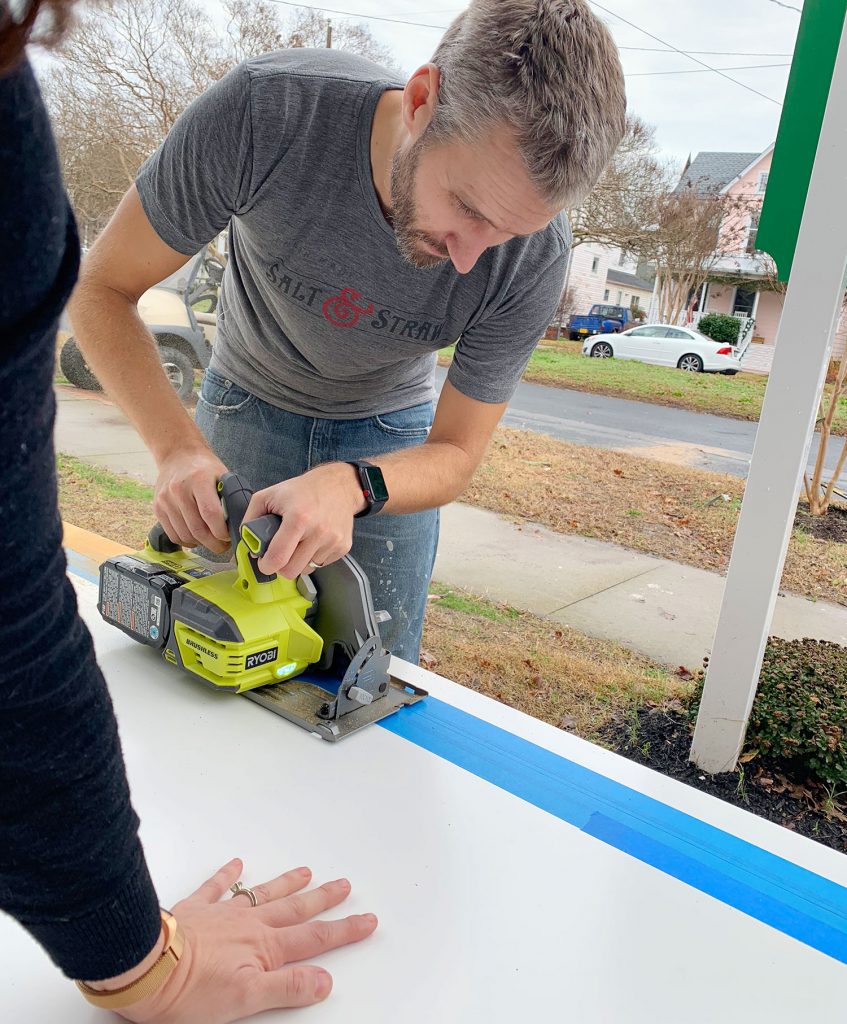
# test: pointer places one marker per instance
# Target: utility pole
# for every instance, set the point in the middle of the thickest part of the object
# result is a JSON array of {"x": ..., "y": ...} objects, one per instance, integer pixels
[{"x": 329, "y": 35}]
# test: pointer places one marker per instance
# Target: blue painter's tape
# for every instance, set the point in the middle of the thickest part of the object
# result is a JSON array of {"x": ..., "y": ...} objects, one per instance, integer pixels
[
  {"x": 789, "y": 898},
  {"x": 81, "y": 565}
]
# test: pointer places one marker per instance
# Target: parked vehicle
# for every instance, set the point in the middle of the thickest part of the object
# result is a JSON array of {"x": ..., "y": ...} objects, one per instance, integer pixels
[
  {"x": 184, "y": 335},
  {"x": 602, "y": 319},
  {"x": 664, "y": 345}
]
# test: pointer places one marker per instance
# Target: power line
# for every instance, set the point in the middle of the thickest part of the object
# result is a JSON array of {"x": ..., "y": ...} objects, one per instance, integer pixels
[
  {"x": 788, "y": 7},
  {"x": 364, "y": 17},
  {"x": 669, "y": 47},
  {"x": 703, "y": 71},
  {"x": 706, "y": 53},
  {"x": 442, "y": 28},
  {"x": 696, "y": 60}
]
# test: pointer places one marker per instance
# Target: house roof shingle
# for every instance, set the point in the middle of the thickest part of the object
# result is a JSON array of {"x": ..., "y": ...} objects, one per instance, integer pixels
[
  {"x": 710, "y": 171},
  {"x": 628, "y": 280}
]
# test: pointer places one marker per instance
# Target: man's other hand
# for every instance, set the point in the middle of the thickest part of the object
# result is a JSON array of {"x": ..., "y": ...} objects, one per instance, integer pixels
[{"x": 317, "y": 512}]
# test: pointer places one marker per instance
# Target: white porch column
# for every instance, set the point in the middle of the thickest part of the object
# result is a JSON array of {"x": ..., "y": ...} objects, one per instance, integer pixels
[{"x": 804, "y": 340}]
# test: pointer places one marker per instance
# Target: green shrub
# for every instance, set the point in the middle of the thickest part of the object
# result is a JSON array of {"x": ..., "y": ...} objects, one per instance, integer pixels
[
  {"x": 799, "y": 716},
  {"x": 720, "y": 328}
]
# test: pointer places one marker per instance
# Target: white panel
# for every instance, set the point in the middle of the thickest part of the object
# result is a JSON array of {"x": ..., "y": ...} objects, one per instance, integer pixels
[{"x": 491, "y": 910}]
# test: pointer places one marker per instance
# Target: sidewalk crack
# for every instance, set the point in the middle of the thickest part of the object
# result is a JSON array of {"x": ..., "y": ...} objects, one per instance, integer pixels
[{"x": 620, "y": 583}]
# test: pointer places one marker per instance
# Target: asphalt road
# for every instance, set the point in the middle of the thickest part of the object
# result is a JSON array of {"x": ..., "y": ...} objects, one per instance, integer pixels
[{"x": 694, "y": 439}]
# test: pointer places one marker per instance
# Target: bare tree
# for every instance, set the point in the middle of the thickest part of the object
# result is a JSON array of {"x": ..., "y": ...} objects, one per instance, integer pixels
[
  {"x": 566, "y": 308},
  {"x": 614, "y": 212},
  {"x": 254, "y": 28},
  {"x": 131, "y": 67},
  {"x": 687, "y": 233},
  {"x": 819, "y": 493},
  {"x": 308, "y": 27}
]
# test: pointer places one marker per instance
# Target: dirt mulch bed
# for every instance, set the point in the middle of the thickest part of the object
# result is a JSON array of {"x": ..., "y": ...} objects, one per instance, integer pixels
[
  {"x": 831, "y": 527},
  {"x": 660, "y": 738},
  {"x": 686, "y": 515}
]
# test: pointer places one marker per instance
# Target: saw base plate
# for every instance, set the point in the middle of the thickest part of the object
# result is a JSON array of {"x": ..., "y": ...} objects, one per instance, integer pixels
[{"x": 300, "y": 700}]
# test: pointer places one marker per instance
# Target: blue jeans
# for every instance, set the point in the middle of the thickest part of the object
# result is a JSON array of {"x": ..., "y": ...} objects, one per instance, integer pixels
[{"x": 267, "y": 445}]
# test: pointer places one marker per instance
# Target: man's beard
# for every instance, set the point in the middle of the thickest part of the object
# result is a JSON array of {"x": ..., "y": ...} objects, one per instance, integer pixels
[{"x": 404, "y": 212}]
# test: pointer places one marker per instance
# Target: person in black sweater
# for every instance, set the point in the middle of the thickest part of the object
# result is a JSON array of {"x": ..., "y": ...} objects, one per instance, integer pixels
[{"x": 72, "y": 870}]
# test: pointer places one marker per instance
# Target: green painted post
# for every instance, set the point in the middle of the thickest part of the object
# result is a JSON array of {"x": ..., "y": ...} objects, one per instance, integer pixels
[{"x": 800, "y": 131}]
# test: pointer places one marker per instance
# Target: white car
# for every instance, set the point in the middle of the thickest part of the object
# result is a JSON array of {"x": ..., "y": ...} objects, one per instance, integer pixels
[{"x": 664, "y": 345}]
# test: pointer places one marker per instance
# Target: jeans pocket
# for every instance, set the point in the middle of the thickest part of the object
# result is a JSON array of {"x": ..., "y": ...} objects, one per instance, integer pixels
[
  {"x": 412, "y": 423},
  {"x": 223, "y": 395}
]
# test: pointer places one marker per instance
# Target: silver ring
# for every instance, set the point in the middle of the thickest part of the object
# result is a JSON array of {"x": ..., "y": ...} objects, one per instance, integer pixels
[
  {"x": 242, "y": 890},
  {"x": 316, "y": 565}
]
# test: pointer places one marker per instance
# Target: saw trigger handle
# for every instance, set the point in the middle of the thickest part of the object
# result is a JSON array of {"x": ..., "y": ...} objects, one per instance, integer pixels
[
  {"x": 160, "y": 541},
  {"x": 259, "y": 533},
  {"x": 235, "y": 496}
]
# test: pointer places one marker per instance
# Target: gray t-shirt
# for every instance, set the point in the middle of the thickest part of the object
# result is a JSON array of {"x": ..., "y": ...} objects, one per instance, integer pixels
[{"x": 319, "y": 313}]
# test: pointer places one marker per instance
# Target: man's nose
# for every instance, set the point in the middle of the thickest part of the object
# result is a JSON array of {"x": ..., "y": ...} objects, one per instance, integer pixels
[{"x": 466, "y": 250}]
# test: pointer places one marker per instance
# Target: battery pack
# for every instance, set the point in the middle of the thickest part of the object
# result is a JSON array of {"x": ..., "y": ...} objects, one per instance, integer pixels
[{"x": 135, "y": 596}]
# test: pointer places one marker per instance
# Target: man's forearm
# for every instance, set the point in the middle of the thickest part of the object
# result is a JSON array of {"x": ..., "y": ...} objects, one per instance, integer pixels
[
  {"x": 427, "y": 476},
  {"x": 124, "y": 357}
]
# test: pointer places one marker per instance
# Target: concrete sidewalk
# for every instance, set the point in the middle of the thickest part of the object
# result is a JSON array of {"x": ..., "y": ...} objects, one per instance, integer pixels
[{"x": 661, "y": 608}]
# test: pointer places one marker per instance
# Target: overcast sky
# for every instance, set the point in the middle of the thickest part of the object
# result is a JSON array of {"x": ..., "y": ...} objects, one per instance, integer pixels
[{"x": 691, "y": 112}]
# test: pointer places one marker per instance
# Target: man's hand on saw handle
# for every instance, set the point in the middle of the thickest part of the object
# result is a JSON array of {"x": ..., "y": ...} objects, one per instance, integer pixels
[
  {"x": 187, "y": 503},
  {"x": 317, "y": 510},
  {"x": 239, "y": 960}
]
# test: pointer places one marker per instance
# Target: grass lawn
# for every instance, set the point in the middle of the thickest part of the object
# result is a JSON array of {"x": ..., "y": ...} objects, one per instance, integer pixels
[
  {"x": 561, "y": 365},
  {"x": 539, "y": 667}
]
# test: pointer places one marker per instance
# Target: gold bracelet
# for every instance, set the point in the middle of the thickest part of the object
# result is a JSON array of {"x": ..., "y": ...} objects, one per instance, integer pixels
[{"x": 149, "y": 982}]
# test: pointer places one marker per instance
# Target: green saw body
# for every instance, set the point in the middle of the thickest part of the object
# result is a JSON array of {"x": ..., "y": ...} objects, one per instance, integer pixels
[{"x": 241, "y": 630}]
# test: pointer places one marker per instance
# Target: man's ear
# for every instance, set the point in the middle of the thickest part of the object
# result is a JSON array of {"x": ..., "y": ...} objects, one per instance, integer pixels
[{"x": 419, "y": 99}]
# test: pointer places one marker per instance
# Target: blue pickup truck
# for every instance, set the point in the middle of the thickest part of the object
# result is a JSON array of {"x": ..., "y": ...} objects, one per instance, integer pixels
[{"x": 601, "y": 320}]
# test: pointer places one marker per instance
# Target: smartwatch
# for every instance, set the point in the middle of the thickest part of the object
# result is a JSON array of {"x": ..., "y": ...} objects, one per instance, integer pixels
[{"x": 373, "y": 487}]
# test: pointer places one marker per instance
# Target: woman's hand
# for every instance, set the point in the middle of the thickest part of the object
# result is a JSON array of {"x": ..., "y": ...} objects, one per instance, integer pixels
[{"x": 239, "y": 960}]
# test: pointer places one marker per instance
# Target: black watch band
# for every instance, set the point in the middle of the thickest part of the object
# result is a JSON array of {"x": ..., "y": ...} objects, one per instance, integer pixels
[{"x": 373, "y": 487}]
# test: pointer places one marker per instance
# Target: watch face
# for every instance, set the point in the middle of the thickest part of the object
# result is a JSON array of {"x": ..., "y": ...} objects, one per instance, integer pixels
[{"x": 376, "y": 483}]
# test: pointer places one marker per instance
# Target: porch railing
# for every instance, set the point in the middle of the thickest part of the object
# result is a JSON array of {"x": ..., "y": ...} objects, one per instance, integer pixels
[{"x": 745, "y": 334}]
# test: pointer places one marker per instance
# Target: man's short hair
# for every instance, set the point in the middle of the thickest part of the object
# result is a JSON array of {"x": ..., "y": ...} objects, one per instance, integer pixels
[{"x": 547, "y": 69}]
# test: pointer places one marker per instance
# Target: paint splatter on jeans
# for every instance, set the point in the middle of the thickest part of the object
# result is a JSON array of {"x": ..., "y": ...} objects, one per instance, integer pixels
[{"x": 268, "y": 445}]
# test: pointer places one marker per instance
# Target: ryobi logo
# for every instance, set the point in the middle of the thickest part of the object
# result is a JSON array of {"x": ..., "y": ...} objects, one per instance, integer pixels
[{"x": 261, "y": 658}]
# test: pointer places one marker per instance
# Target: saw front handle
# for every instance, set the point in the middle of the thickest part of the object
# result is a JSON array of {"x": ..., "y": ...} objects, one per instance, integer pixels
[{"x": 235, "y": 497}]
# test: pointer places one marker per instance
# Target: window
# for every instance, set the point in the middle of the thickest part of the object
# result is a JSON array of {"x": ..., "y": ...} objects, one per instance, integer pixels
[
  {"x": 743, "y": 302},
  {"x": 763, "y": 182},
  {"x": 649, "y": 332},
  {"x": 620, "y": 297},
  {"x": 675, "y": 332},
  {"x": 606, "y": 295},
  {"x": 595, "y": 263},
  {"x": 622, "y": 259},
  {"x": 752, "y": 232}
]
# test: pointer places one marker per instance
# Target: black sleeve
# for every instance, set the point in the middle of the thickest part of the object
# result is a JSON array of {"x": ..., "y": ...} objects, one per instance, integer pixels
[{"x": 72, "y": 870}]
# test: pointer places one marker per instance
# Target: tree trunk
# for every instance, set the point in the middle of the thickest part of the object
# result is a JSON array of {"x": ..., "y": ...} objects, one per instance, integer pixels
[{"x": 818, "y": 496}]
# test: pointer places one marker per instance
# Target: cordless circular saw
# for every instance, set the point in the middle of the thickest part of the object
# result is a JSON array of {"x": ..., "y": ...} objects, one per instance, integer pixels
[{"x": 308, "y": 649}]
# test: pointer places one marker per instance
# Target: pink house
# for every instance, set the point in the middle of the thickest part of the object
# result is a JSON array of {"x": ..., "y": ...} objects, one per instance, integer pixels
[{"x": 741, "y": 277}]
